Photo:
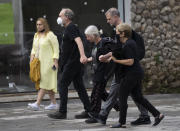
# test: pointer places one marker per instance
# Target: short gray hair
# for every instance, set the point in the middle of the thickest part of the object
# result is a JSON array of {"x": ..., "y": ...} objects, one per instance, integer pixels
[
  {"x": 68, "y": 13},
  {"x": 92, "y": 30},
  {"x": 113, "y": 12}
]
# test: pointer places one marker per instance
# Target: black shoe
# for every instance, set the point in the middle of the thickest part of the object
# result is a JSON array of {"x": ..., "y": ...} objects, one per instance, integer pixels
[
  {"x": 58, "y": 115},
  {"x": 118, "y": 126},
  {"x": 158, "y": 119},
  {"x": 93, "y": 115},
  {"x": 101, "y": 119},
  {"x": 91, "y": 120},
  {"x": 141, "y": 121},
  {"x": 82, "y": 115}
]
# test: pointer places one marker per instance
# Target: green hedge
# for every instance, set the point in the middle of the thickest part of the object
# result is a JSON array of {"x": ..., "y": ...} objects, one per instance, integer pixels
[{"x": 6, "y": 24}]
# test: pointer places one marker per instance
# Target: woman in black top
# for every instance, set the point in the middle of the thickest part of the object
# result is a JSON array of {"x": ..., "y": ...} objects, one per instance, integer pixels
[
  {"x": 132, "y": 80},
  {"x": 101, "y": 71}
]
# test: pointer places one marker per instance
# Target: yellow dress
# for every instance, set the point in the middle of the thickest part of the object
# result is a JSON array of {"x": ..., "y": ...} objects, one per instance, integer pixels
[{"x": 48, "y": 49}]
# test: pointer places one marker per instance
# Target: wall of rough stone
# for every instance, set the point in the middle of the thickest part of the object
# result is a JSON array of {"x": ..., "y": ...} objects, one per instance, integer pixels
[{"x": 159, "y": 23}]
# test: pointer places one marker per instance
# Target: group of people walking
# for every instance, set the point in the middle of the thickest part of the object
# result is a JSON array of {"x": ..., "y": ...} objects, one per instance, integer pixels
[{"x": 117, "y": 57}]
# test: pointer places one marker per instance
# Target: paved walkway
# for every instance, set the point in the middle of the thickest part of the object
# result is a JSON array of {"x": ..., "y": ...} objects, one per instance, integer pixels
[{"x": 14, "y": 116}]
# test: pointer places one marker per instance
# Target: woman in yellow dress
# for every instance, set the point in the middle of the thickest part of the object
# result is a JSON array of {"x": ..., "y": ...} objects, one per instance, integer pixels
[{"x": 46, "y": 48}]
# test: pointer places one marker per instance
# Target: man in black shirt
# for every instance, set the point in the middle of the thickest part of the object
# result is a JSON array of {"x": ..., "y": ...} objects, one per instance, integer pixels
[{"x": 72, "y": 58}]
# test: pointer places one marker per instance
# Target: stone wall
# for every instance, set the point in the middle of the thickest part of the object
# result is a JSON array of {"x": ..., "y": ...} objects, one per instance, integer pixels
[{"x": 159, "y": 23}]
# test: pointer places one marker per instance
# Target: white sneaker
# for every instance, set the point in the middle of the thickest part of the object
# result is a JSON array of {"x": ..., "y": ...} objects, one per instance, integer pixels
[
  {"x": 51, "y": 107},
  {"x": 33, "y": 106},
  {"x": 29, "y": 104}
]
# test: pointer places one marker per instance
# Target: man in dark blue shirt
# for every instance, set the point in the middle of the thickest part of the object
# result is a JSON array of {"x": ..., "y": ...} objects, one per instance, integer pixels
[{"x": 113, "y": 18}]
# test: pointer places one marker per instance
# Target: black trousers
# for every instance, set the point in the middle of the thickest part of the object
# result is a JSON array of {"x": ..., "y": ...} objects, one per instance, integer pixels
[
  {"x": 98, "y": 93},
  {"x": 74, "y": 75},
  {"x": 132, "y": 85}
]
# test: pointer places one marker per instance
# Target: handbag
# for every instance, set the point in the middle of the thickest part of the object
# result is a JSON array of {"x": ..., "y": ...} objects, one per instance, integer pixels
[{"x": 34, "y": 73}]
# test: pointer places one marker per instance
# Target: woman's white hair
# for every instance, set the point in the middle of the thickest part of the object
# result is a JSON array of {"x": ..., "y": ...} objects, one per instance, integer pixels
[{"x": 92, "y": 30}]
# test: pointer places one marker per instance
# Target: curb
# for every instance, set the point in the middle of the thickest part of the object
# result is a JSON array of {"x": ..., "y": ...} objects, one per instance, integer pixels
[
  {"x": 24, "y": 97},
  {"x": 72, "y": 94}
]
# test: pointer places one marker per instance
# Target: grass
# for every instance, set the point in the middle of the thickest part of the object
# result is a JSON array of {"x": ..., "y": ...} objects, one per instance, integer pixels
[{"x": 6, "y": 24}]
